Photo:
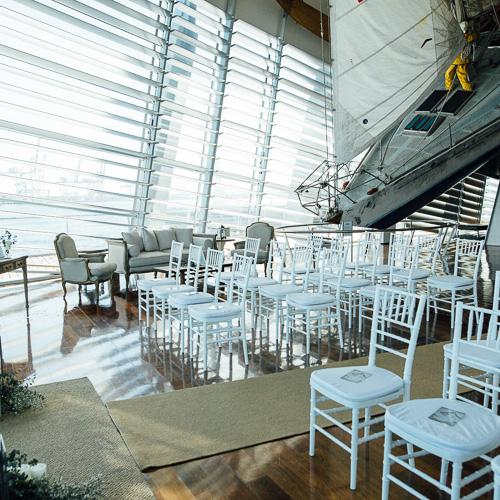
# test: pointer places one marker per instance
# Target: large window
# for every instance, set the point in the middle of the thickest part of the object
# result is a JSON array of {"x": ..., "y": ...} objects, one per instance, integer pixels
[
  {"x": 124, "y": 113},
  {"x": 78, "y": 84}
]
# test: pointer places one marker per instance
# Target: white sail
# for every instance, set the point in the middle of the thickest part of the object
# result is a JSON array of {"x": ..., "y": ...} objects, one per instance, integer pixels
[{"x": 385, "y": 53}]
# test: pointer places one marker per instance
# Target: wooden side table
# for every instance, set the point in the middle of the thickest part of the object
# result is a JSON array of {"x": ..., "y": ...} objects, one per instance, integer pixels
[{"x": 9, "y": 264}]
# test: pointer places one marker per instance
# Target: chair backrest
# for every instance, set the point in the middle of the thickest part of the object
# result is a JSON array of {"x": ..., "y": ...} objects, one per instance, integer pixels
[
  {"x": 468, "y": 252},
  {"x": 405, "y": 258},
  {"x": 397, "y": 315},
  {"x": 331, "y": 267},
  {"x": 213, "y": 268},
  {"x": 262, "y": 231},
  {"x": 194, "y": 262},
  {"x": 301, "y": 261},
  {"x": 367, "y": 256},
  {"x": 276, "y": 260},
  {"x": 65, "y": 247},
  {"x": 396, "y": 240},
  {"x": 174, "y": 266},
  {"x": 315, "y": 241},
  {"x": 251, "y": 249},
  {"x": 241, "y": 270},
  {"x": 482, "y": 330}
]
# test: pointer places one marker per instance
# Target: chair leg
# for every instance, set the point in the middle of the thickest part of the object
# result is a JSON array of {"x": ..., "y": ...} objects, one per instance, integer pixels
[
  {"x": 354, "y": 447},
  {"x": 452, "y": 312},
  {"x": 97, "y": 292},
  {"x": 127, "y": 282},
  {"x": 65, "y": 291},
  {"x": 446, "y": 375},
  {"x": 308, "y": 333},
  {"x": 443, "y": 473},
  {"x": 312, "y": 422},
  {"x": 387, "y": 464},
  {"x": 368, "y": 412},
  {"x": 244, "y": 337},
  {"x": 456, "y": 479},
  {"x": 205, "y": 346}
]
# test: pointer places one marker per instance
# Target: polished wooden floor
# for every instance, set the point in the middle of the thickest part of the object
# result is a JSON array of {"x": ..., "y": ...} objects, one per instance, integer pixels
[{"x": 105, "y": 344}]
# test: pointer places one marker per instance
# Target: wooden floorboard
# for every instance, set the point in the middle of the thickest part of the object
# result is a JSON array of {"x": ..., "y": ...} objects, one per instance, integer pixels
[{"x": 106, "y": 344}]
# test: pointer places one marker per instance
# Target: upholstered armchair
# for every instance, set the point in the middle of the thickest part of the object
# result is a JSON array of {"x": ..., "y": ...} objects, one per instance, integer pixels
[
  {"x": 261, "y": 230},
  {"x": 81, "y": 268}
]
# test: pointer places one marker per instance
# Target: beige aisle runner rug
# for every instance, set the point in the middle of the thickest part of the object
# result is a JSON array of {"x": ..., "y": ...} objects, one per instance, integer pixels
[
  {"x": 74, "y": 435},
  {"x": 183, "y": 425}
]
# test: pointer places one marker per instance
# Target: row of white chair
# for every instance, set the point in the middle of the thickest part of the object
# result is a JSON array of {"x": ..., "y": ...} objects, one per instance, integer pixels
[{"x": 453, "y": 428}]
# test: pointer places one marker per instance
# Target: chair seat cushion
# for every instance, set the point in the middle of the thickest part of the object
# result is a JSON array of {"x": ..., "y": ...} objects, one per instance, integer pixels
[
  {"x": 280, "y": 290},
  {"x": 356, "y": 383},
  {"x": 450, "y": 282},
  {"x": 144, "y": 259},
  {"x": 184, "y": 299},
  {"x": 309, "y": 299},
  {"x": 473, "y": 429},
  {"x": 316, "y": 276},
  {"x": 475, "y": 353},
  {"x": 369, "y": 291},
  {"x": 163, "y": 292},
  {"x": 226, "y": 276},
  {"x": 215, "y": 312},
  {"x": 354, "y": 283},
  {"x": 147, "y": 284},
  {"x": 416, "y": 274},
  {"x": 102, "y": 270},
  {"x": 254, "y": 283},
  {"x": 298, "y": 270}
]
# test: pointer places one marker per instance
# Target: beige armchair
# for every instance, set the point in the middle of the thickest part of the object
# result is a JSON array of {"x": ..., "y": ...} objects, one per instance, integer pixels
[
  {"x": 261, "y": 230},
  {"x": 81, "y": 268}
]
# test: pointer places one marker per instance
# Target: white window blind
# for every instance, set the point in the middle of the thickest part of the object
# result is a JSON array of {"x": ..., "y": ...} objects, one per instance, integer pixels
[
  {"x": 78, "y": 82},
  {"x": 196, "y": 57}
]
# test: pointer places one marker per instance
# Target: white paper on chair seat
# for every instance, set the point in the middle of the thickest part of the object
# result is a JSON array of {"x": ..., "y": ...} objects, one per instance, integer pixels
[
  {"x": 474, "y": 432},
  {"x": 205, "y": 312},
  {"x": 280, "y": 290},
  {"x": 449, "y": 282},
  {"x": 188, "y": 298},
  {"x": 310, "y": 299},
  {"x": 354, "y": 283},
  {"x": 332, "y": 382},
  {"x": 147, "y": 284},
  {"x": 164, "y": 292},
  {"x": 475, "y": 353}
]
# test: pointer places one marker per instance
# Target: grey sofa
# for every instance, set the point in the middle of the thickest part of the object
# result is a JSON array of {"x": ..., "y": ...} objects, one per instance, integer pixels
[{"x": 142, "y": 253}]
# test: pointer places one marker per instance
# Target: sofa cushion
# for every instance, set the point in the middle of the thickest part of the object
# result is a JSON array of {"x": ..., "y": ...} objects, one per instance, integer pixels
[
  {"x": 145, "y": 259},
  {"x": 184, "y": 235},
  {"x": 150, "y": 241},
  {"x": 102, "y": 270},
  {"x": 165, "y": 238},
  {"x": 134, "y": 242}
]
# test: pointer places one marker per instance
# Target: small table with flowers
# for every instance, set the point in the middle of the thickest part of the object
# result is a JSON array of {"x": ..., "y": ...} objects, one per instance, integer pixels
[{"x": 9, "y": 264}]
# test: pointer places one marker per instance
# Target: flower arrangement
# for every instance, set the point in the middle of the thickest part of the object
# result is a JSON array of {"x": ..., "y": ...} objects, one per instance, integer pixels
[
  {"x": 21, "y": 484},
  {"x": 16, "y": 396},
  {"x": 7, "y": 240}
]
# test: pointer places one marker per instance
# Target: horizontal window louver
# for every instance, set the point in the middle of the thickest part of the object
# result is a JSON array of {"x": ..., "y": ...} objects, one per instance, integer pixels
[{"x": 78, "y": 85}]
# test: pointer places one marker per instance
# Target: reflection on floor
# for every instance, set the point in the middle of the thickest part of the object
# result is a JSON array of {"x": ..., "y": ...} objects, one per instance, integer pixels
[{"x": 105, "y": 343}]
